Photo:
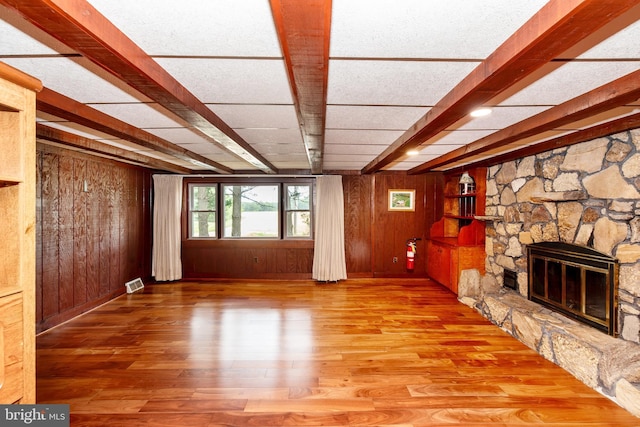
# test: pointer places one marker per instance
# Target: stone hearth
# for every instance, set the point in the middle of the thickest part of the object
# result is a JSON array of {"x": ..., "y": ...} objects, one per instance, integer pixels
[
  {"x": 586, "y": 194},
  {"x": 609, "y": 365}
]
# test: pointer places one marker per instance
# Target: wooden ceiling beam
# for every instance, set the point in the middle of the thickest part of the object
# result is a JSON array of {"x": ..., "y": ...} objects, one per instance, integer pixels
[
  {"x": 619, "y": 92},
  {"x": 80, "y": 26},
  {"x": 558, "y": 26},
  {"x": 58, "y": 136},
  {"x": 304, "y": 29},
  {"x": 69, "y": 109},
  {"x": 614, "y": 126}
]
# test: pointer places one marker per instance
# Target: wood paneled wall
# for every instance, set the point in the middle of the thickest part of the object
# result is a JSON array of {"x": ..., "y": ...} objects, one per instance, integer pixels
[
  {"x": 358, "y": 202},
  {"x": 88, "y": 243},
  {"x": 373, "y": 236},
  {"x": 391, "y": 229}
]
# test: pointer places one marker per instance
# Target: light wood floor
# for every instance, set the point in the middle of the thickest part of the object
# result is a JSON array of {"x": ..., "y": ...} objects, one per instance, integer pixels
[{"x": 269, "y": 353}]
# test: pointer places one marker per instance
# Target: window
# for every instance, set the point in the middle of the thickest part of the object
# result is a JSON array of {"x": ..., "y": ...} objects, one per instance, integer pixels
[
  {"x": 202, "y": 210},
  {"x": 297, "y": 210},
  {"x": 251, "y": 211},
  {"x": 223, "y": 208}
]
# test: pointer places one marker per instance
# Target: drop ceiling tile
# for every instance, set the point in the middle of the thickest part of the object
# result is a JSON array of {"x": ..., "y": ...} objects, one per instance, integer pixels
[
  {"x": 403, "y": 165},
  {"x": 140, "y": 115},
  {"x": 438, "y": 149},
  {"x": 393, "y": 83},
  {"x": 361, "y": 137},
  {"x": 273, "y": 150},
  {"x": 290, "y": 137},
  {"x": 344, "y": 164},
  {"x": 372, "y": 117},
  {"x": 21, "y": 38},
  {"x": 232, "y": 81},
  {"x": 425, "y": 29},
  {"x": 348, "y": 149},
  {"x": 125, "y": 145},
  {"x": 77, "y": 79},
  {"x": 196, "y": 27},
  {"x": 623, "y": 44},
  {"x": 236, "y": 164},
  {"x": 499, "y": 118},
  {"x": 458, "y": 137},
  {"x": 181, "y": 136},
  {"x": 356, "y": 157},
  {"x": 257, "y": 116},
  {"x": 205, "y": 148},
  {"x": 291, "y": 163},
  {"x": 77, "y": 129},
  {"x": 572, "y": 78}
]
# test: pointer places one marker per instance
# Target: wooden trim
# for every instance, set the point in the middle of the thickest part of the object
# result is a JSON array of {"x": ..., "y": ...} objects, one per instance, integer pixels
[
  {"x": 604, "y": 129},
  {"x": 16, "y": 76},
  {"x": 619, "y": 92},
  {"x": 81, "y": 27},
  {"x": 64, "y": 107},
  {"x": 558, "y": 26},
  {"x": 304, "y": 29},
  {"x": 47, "y": 133}
]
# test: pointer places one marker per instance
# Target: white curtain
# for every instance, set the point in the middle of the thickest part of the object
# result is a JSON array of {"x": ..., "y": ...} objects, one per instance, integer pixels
[
  {"x": 166, "y": 261},
  {"x": 329, "y": 255}
]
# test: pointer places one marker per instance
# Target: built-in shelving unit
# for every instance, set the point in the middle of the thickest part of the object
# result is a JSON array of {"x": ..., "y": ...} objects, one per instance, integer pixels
[
  {"x": 456, "y": 241},
  {"x": 17, "y": 228}
]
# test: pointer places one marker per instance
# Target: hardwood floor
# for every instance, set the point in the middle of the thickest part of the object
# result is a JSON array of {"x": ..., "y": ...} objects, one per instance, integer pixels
[{"x": 364, "y": 352}]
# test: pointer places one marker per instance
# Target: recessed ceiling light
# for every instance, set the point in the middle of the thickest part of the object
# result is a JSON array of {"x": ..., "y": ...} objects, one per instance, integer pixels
[
  {"x": 413, "y": 153},
  {"x": 480, "y": 112}
]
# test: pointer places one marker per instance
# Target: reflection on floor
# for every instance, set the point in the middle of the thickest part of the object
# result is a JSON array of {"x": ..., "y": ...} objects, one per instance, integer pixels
[{"x": 382, "y": 352}]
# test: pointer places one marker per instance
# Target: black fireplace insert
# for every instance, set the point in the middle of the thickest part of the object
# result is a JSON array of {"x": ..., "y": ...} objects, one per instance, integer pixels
[{"x": 578, "y": 281}]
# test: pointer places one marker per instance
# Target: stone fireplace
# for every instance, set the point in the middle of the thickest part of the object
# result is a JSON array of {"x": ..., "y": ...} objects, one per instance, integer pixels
[
  {"x": 588, "y": 196},
  {"x": 577, "y": 281}
]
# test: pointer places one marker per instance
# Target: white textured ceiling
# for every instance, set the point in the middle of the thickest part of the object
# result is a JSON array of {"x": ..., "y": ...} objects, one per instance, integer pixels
[{"x": 390, "y": 62}]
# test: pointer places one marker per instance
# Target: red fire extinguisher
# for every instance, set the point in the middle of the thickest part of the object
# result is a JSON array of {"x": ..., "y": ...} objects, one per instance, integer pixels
[{"x": 411, "y": 253}]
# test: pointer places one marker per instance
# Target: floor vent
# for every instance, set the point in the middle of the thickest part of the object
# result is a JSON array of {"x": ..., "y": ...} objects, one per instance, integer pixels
[{"x": 134, "y": 285}]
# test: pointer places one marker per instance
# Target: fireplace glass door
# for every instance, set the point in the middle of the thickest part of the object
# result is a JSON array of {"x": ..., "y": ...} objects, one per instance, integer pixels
[{"x": 575, "y": 284}]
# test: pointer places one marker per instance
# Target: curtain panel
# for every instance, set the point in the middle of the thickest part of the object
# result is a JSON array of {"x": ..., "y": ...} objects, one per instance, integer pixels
[
  {"x": 166, "y": 261},
  {"x": 329, "y": 262}
]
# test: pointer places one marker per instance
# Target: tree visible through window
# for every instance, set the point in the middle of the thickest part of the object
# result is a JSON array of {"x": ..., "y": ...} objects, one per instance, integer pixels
[
  {"x": 251, "y": 211},
  {"x": 202, "y": 210},
  {"x": 272, "y": 210},
  {"x": 298, "y": 210}
]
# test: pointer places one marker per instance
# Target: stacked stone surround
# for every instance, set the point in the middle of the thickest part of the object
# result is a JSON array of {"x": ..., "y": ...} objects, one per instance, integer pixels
[{"x": 587, "y": 194}]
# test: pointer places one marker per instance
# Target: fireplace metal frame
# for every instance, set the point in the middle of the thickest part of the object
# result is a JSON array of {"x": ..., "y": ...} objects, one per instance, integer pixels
[{"x": 586, "y": 259}]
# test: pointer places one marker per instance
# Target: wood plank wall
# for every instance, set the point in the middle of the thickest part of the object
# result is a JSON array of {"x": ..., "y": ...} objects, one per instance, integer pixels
[
  {"x": 391, "y": 229},
  {"x": 373, "y": 236},
  {"x": 88, "y": 244}
]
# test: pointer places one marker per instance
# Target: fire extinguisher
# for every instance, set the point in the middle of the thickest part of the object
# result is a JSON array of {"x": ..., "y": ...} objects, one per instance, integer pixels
[{"x": 411, "y": 253}]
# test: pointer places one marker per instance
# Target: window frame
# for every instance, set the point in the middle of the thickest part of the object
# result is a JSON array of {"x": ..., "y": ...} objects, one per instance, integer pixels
[
  {"x": 220, "y": 181},
  {"x": 223, "y": 186},
  {"x": 190, "y": 210},
  {"x": 285, "y": 208}
]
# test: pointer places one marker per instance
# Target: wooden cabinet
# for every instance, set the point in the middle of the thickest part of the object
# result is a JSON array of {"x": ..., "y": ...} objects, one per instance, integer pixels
[
  {"x": 456, "y": 241},
  {"x": 17, "y": 228}
]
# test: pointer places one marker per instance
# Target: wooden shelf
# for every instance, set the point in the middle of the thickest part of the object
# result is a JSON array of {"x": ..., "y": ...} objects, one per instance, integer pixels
[
  {"x": 487, "y": 217},
  {"x": 559, "y": 196},
  {"x": 17, "y": 216},
  {"x": 469, "y": 217},
  {"x": 456, "y": 242},
  {"x": 459, "y": 196}
]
